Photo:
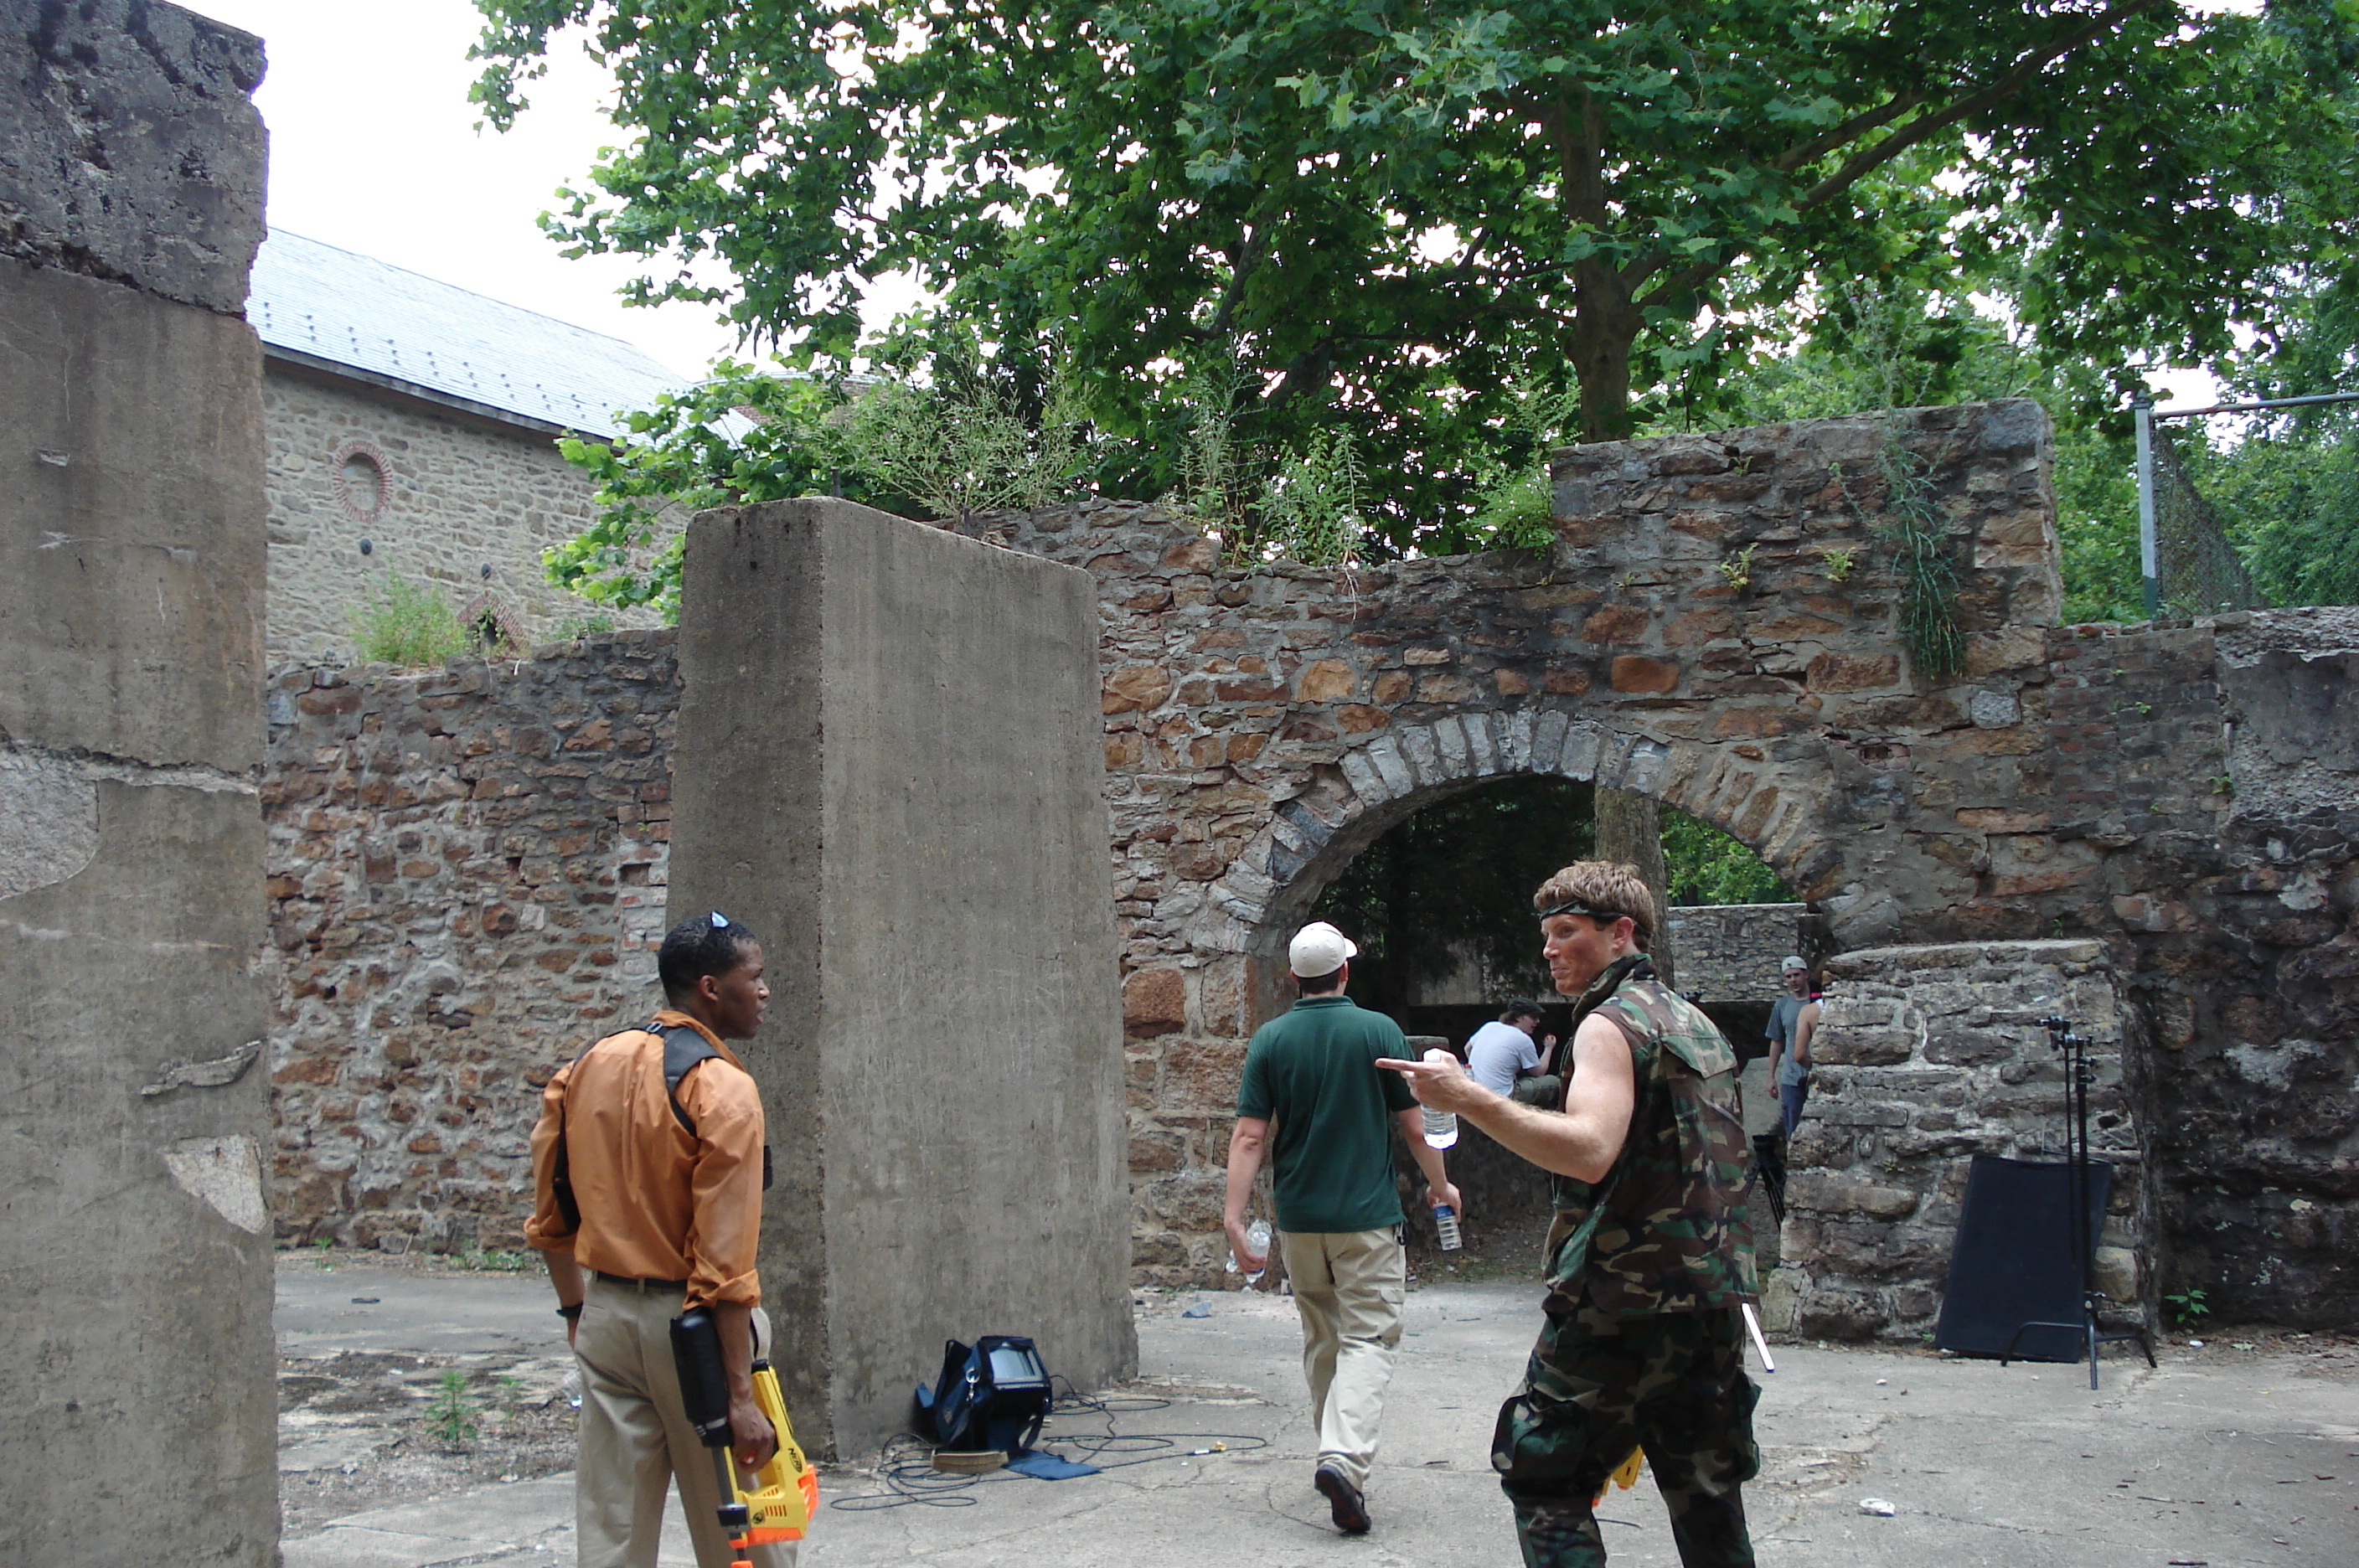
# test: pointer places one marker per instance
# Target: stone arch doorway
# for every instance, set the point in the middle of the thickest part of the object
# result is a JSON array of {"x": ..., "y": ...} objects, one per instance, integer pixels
[
  {"x": 1311, "y": 837},
  {"x": 1715, "y": 629}
]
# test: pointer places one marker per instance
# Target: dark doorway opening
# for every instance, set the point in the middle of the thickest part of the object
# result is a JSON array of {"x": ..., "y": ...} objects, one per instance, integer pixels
[{"x": 1441, "y": 907}]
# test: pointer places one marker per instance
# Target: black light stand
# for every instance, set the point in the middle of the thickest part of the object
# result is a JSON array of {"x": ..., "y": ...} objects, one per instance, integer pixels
[{"x": 2077, "y": 1077}]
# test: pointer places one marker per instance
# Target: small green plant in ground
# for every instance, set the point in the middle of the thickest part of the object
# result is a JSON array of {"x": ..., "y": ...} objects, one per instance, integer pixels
[
  {"x": 321, "y": 1249},
  {"x": 2187, "y": 1307},
  {"x": 490, "y": 1259},
  {"x": 1737, "y": 570},
  {"x": 1840, "y": 563},
  {"x": 511, "y": 1398},
  {"x": 403, "y": 622},
  {"x": 450, "y": 1415}
]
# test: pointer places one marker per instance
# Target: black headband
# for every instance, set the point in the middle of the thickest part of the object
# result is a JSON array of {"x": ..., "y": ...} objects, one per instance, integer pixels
[{"x": 1578, "y": 906}]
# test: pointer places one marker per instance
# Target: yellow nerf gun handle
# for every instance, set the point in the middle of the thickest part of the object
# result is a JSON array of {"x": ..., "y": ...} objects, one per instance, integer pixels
[
  {"x": 785, "y": 1494},
  {"x": 1624, "y": 1477}
]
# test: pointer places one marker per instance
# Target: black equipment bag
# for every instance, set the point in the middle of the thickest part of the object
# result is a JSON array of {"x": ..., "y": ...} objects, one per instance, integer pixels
[{"x": 992, "y": 1394}]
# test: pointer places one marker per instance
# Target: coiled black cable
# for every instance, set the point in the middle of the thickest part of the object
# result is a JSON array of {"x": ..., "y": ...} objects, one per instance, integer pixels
[{"x": 907, "y": 1470}]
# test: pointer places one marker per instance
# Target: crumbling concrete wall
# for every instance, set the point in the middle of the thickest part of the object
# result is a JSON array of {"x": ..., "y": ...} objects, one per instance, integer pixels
[
  {"x": 887, "y": 766},
  {"x": 1924, "y": 1058},
  {"x": 2248, "y": 980},
  {"x": 467, "y": 884},
  {"x": 136, "y": 1361}
]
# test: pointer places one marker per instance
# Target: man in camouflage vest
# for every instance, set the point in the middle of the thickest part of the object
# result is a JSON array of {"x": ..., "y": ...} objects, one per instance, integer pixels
[{"x": 1651, "y": 1254}]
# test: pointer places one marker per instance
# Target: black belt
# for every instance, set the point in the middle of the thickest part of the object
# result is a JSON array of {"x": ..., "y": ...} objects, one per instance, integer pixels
[{"x": 640, "y": 1284}]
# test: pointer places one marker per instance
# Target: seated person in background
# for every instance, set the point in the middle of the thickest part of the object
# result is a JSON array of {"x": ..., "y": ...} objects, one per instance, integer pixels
[{"x": 1505, "y": 1050}]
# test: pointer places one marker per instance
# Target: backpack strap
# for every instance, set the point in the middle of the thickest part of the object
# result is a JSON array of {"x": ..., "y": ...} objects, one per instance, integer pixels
[{"x": 684, "y": 1047}]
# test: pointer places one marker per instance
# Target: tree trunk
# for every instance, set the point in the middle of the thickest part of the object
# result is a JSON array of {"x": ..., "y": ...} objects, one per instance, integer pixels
[
  {"x": 1604, "y": 332},
  {"x": 1630, "y": 830}
]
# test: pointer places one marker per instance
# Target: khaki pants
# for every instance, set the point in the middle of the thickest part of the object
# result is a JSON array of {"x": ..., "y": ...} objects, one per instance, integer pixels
[
  {"x": 636, "y": 1439},
  {"x": 1347, "y": 1288}
]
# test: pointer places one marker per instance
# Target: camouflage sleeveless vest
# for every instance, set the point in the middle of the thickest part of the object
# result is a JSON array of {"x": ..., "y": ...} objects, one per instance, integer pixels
[{"x": 1669, "y": 1229}]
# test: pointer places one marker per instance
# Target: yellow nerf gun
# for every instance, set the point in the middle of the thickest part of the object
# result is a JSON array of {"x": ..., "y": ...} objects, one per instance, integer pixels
[
  {"x": 1626, "y": 1477},
  {"x": 785, "y": 1493}
]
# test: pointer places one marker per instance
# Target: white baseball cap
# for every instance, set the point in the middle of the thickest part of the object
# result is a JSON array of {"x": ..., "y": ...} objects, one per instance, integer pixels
[
  {"x": 1790, "y": 964},
  {"x": 1316, "y": 949}
]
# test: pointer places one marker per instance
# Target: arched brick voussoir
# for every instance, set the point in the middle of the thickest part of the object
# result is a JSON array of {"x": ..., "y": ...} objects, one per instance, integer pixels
[{"x": 1278, "y": 875}]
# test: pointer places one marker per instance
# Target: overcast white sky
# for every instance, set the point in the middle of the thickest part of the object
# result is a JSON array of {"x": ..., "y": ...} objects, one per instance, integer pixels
[{"x": 373, "y": 147}]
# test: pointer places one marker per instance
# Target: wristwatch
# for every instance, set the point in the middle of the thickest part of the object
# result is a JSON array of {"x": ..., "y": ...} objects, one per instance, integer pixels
[{"x": 570, "y": 1313}]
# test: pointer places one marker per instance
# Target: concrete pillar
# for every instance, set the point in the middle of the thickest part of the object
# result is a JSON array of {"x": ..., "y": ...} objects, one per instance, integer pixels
[
  {"x": 888, "y": 764},
  {"x": 136, "y": 1361}
]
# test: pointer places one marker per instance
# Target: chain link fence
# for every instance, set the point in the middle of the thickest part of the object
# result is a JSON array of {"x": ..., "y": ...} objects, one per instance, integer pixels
[
  {"x": 2197, "y": 571},
  {"x": 2190, "y": 566}
]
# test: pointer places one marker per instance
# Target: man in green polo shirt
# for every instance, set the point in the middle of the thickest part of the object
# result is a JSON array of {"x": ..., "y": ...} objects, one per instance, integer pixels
[{"x": 1314, "y": 1102}]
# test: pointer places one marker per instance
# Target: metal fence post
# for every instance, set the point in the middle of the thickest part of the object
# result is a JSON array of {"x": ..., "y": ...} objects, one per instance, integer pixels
[{"x": 2149, "y": 565}]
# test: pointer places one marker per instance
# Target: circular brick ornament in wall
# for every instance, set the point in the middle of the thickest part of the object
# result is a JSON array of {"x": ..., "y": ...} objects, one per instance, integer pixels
[{"x": 363, "y": 480}]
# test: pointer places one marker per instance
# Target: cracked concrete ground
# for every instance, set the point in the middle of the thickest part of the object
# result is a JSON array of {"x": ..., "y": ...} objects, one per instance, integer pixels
[{"x": 2224, "y": 1458}]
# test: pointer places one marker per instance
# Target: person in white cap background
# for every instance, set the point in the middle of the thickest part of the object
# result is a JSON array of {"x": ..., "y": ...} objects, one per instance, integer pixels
[
  {"x": 1789, "y": 1049},
  {"x": 1312, "y": 1102}
]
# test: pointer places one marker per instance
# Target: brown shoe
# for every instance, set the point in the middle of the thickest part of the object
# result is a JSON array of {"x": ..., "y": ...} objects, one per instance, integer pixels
[{"x": 1351, "y": 1514}]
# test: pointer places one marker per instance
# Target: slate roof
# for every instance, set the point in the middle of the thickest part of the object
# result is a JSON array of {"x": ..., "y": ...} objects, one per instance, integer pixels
[{"x": 352, "y": 311}]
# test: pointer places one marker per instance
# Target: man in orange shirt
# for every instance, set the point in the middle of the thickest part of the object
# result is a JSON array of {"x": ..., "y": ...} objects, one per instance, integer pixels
[{"x": 648, "y": 1175}]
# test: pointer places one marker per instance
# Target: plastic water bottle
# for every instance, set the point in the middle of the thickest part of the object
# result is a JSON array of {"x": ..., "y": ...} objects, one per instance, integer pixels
[
  {"x": 1441, "y": 1128},
  {"x": 1445, "y": 1225},
  {"x": 1257, "y": 1237}
]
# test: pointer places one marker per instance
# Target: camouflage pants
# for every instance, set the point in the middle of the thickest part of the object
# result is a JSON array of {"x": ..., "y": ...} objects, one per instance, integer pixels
[{"x": 1596, "y": 1387}]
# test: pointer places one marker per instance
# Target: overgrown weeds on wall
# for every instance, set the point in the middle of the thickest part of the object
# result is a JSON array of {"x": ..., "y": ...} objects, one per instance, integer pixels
[
  {"x": 1517, "y": 508},
  {"x": 961, "y": 446},
  {"x": 1928, "y": 576},
  {"x": 406, "y": 624},
  {"x": 1312, "y": 507}
]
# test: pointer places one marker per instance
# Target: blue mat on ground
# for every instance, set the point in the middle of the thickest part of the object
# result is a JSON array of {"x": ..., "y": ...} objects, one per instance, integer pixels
[{"x": 1048, "y": 1467}]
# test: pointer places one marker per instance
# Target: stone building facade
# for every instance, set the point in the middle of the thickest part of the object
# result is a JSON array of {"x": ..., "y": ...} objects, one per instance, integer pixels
[
  {"x": 413, "y": 429},
  {"x": 2166, "y": 790},
  {"x": 455, "y": 502}
]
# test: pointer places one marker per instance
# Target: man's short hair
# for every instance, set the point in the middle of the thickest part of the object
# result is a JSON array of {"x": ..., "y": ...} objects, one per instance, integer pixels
[
  {"x": 1325, "y": 984},
  {"x": 1602, "y": 890},
  {"x": 1520, "y": 1009},
  {"x": 698, "y": 947}
]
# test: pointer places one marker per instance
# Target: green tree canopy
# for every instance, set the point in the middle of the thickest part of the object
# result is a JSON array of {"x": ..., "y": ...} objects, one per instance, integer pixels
[{"x": 1383, "y": 213}]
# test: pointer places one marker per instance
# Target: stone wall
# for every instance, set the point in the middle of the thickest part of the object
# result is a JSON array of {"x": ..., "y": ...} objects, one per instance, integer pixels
[
  {"x": 2248, "y": 961},
  {"x": 135, "y": 1358},
  {"x": 1264, "y": 726},
  {"x": 467, "y": 875},
  {"x": 2179, "y": 792},
  {"x": 1926, "y": 1057},
  {"x": 1731, "y": 952},
  {"x": 452, "y": 495}
]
